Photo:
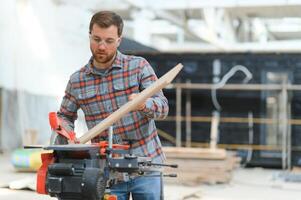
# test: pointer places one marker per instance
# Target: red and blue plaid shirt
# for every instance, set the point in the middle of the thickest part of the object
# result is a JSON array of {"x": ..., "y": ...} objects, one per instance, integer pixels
[{"x": 99, "y": 94}]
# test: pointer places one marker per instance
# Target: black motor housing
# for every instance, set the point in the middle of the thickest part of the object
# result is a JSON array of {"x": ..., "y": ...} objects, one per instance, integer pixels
[{"x": 78, "y": 173}]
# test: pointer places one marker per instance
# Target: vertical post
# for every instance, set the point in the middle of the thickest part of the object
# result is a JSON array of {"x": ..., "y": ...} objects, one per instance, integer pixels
[
  {"x": 251, "y": 136},
  {"x": 188, "y": 115},
  {"x": 178, "y": 116},
  {"x": 288, "y": 128},
  {"x": 214, "y": 129},
  {"x": 110, "y": 139},
  {"x": 283, "y": 124},
  {"x": 289, "y": 142}
]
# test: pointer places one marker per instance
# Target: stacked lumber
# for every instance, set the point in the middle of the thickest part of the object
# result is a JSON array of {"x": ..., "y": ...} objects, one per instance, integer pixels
[{"x": 201, "y": 165}]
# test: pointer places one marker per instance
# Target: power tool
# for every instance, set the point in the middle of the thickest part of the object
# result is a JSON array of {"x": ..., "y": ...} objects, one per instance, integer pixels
[{"x": 87, "y": 171}]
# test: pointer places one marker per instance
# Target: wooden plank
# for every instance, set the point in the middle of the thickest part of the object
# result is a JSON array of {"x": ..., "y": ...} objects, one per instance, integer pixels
[
  {"x": 196, "y": 171},
  {"x": 200, "y": 164},
  {"x": 178, "y": 117},
  {"x": 126, "y": 108},
  {"x": 201, "y": 153},
  {"x": 214, "y": 129},
  {"x": 211, "y": 177},
  {"x": 296, "y": 169},
  {"x": 254, "y": 87}
]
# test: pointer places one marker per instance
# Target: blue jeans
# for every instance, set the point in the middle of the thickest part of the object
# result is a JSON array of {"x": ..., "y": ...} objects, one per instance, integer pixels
[{"x": 141, "y": 188}]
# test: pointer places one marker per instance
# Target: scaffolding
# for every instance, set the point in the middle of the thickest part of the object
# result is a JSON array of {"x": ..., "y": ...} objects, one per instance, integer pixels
[{"x": 285, "y": 122}]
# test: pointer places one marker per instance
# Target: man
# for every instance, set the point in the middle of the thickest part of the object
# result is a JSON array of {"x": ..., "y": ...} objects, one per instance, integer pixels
[{"x": 109, "y": 80}]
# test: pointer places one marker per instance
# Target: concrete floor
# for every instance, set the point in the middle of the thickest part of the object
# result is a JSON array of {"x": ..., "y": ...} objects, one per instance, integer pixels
[{"x": 247, "y": 184}]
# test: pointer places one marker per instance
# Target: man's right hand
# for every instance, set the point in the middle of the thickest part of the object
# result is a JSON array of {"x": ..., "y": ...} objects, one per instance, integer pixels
[{"x": 139, "y": 107}]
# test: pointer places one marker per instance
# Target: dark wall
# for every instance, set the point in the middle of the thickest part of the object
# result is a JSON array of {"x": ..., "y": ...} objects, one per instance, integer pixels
[{"x": 198, "y": 68}]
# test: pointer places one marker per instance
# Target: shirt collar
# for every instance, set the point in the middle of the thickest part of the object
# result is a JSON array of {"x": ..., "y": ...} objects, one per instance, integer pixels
[{"x": 116, "y": 64}]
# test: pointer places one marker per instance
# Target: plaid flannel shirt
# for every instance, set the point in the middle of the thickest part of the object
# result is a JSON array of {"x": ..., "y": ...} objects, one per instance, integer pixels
[{"x": 100, "y": 94}]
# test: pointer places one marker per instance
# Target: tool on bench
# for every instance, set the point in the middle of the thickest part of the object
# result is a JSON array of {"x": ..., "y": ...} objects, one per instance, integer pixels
[{"x": 87, "y": 171}]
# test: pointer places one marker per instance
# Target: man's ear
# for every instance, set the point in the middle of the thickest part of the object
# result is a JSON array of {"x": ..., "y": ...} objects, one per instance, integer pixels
[{"x": 119, "y": 41}]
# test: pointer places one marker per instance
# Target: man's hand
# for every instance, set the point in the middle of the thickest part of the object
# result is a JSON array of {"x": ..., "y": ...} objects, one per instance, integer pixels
[{"x": 139, "y": 107}]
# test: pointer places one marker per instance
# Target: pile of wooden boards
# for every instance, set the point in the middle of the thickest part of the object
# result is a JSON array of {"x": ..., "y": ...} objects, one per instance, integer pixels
[{"x": 201, "y": 165}]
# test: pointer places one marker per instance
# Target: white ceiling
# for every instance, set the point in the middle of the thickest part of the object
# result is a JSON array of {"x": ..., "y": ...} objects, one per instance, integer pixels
[{"x": 215, "y": 25}]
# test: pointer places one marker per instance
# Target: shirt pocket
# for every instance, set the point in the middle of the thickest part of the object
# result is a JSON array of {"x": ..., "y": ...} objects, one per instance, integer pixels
[
  {"x": 123, "y": 89},
  {"x": 88, "y": 100},
  {"x": 88, "y": 94}
]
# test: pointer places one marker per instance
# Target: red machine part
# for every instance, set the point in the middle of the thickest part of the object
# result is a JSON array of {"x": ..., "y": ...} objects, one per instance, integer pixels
[
  {"x": 103, "y": 145},
  {"x": 57, "y": 125},
  {"x": 110, "y": 197},
  {"x": 47, "y": 159}
]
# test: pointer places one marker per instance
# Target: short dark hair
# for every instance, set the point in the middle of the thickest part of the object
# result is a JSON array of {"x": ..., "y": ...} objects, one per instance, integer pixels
[{"x": 105, "y": 19}]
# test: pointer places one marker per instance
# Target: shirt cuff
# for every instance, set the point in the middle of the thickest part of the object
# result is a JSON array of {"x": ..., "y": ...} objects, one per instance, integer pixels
[{"x": 148, "y": 106}]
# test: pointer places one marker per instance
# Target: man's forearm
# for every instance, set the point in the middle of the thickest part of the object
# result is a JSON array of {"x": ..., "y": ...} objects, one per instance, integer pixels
[{"x": 156, "y": 107}]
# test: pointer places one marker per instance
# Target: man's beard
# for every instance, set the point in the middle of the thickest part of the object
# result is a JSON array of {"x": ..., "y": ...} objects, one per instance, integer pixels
[{"x": 102, "y": 57}]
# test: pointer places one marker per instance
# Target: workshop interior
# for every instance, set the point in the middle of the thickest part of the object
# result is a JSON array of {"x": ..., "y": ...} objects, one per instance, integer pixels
[{"x": 229, "y": 69}]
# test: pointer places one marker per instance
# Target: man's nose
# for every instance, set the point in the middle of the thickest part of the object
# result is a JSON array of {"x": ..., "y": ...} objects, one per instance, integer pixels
[{"x": 101, "y": 45}]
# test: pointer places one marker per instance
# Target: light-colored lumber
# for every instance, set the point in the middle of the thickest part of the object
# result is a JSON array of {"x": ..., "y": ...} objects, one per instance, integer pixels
[
  {"x": 196, "y": 165},
  {"x": 194, "y": 170},
  {"x": 200, "y": 153}
]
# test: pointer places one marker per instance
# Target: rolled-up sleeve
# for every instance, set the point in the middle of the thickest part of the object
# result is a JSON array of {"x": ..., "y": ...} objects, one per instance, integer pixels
[
  {"x": 157, "y": 105},
  {"x": 69, "y": 107}
]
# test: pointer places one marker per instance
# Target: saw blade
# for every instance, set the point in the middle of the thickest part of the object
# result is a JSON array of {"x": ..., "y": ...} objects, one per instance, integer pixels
[{"x": 57, "y": 139}]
